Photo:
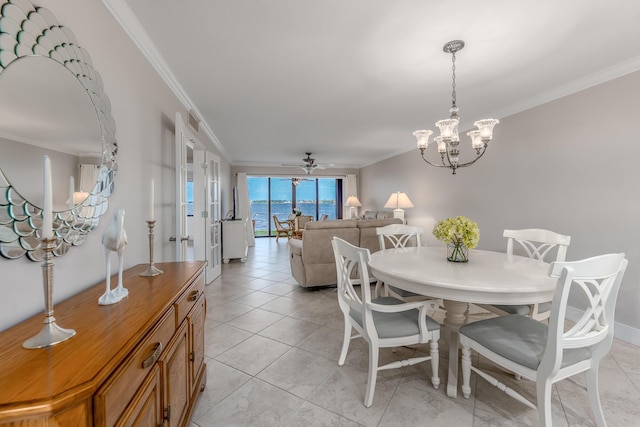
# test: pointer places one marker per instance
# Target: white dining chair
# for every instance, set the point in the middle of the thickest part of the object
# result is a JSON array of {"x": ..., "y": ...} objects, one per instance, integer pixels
[
  {"x": 547, "y": 354},
  {"x": 382, "y": 322},
  {"x": 537, "y": 244},
  {"x": 398, "y": 236}
]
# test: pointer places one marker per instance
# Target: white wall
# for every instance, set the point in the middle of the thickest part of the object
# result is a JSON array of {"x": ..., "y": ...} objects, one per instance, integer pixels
[
  {"x": 144, "y": 111},
  {"x": 569, "y": 166}
]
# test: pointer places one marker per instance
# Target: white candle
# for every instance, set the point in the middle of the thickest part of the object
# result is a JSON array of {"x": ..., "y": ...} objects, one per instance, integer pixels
[
  {"x": 151, "y": 202},
  {"x": 72, "y": 188},
  {"x": 47, "y": 215}
]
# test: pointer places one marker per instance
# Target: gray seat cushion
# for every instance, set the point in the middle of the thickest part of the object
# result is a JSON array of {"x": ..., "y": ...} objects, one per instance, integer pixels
[
  {"x": 392, "y": 325},
  {"x": 402, "y": 292},
  {"x": 524, "y": 309},
  {"x": 519, "y": 339}
]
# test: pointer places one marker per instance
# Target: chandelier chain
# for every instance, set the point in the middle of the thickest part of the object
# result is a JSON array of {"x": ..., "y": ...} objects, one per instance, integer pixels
[{"x": 453, "y": 79}]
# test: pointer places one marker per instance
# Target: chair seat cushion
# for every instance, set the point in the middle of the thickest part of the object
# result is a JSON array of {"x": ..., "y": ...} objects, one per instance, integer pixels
[
  {"x": 393, "y": 325},
  {"x": 402, "y": 292},
  {"x": 519, "y": 339},
  {"x": 524, "y": 309}
]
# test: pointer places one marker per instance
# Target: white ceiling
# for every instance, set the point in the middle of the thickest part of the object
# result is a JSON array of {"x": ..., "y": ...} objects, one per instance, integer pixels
[{"x": 350, "y": 80}]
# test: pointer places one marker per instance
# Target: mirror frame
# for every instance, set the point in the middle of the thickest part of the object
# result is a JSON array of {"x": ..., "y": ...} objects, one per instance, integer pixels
[{"x": 28, "y": 30}]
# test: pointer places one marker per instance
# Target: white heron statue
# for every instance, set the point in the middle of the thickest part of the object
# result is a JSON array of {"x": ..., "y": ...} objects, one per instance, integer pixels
[{"x": 114, "y": 239}]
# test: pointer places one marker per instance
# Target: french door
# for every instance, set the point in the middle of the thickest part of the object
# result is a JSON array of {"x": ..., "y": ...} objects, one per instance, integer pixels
[
  {"x": 212, "y": 217},
  {"x": 197, "y": 203}
]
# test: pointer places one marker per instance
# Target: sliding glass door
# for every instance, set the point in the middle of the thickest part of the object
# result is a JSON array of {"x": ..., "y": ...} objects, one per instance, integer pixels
[{"x": 278, "y": 196}]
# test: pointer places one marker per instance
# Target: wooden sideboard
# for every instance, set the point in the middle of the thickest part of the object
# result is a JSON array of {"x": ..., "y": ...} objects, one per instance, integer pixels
[{"x": 137, "y": 362}]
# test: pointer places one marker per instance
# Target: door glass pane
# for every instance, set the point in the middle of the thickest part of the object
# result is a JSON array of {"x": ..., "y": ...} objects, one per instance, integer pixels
[
  {"x": 259, "y": 199},
  {"x": 327, "y": 198},
  {"x": 306, "y": 197},
  {"x": 280, "y": 201}
]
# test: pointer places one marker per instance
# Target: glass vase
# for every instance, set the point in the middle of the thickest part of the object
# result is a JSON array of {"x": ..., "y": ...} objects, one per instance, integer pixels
[{"x": 457, "y": 252}]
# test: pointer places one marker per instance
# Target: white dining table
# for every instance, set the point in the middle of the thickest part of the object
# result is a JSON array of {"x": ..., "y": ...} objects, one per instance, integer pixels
[{"x": 487, "y": 278}]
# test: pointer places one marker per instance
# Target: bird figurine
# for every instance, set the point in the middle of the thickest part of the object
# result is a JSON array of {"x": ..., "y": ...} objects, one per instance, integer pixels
[{"x": 114, "y": 239}]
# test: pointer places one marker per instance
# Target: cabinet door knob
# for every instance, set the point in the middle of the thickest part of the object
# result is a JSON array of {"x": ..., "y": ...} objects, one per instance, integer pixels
[{"x": 149, "y": 361}]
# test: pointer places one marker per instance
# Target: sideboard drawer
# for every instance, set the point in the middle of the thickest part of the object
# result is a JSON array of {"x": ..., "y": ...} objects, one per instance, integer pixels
[
  {"x": 116, "y": 394},
  {"x": 188, "y": 299}
]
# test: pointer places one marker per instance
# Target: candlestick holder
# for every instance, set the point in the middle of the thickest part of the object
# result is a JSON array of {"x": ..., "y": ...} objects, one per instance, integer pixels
[
  {"x": 51, "y": 334},
  {"x": 152, "y": 270}
]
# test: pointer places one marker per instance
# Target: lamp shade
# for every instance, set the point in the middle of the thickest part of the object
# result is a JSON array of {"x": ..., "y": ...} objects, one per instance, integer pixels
[
  {"x": 352, "y": 202},
  {"x": 398, "y": 200}
]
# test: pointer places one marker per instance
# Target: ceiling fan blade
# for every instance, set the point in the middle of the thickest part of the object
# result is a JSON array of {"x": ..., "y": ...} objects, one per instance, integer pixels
[{"x": 306, "y": 168}]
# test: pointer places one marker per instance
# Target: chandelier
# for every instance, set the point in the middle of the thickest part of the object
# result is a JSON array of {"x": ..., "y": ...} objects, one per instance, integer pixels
[{"x": 448, "y": 141}]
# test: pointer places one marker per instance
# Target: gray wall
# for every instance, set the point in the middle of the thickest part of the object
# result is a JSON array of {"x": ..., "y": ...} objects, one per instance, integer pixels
[
  {"x": 568, "y": 166},
  {"x": 144, "y": 109}
]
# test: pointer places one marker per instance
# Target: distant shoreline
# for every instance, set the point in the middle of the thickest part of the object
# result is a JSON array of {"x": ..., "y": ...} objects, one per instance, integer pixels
[{"x": 264, "y": 202}]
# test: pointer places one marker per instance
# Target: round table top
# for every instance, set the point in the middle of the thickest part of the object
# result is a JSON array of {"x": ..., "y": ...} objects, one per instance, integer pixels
[{"x": 488, "y": 278}]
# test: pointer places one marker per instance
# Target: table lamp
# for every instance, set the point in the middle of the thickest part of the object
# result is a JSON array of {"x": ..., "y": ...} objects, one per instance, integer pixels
[
  {"x": 399, "y": 202},
  {"x": 352, "y": 202}
]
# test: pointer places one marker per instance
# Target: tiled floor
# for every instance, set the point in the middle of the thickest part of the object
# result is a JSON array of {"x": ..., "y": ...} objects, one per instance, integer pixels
[{"x": 272, "y": 348}]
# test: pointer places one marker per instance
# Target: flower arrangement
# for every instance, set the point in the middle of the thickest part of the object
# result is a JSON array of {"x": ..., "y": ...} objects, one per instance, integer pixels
[
  {"x": 458, "y": 230},
  {"x": 297, "y": 212}
]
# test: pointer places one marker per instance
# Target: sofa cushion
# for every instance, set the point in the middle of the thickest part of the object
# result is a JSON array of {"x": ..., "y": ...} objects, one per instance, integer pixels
[
  {"x": 369, "y": 215},
  {"x": 377, "y": 215},
  {"x": 335, "y": 223}
]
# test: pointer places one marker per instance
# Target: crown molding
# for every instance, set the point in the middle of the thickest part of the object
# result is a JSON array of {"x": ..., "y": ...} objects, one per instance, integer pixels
[{"x": 123, "y": 15}]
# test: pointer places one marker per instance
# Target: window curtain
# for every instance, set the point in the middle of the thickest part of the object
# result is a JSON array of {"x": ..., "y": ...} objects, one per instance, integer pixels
[
  {"x": 350, "y": 189},
  {"x": 88, "y": 177},
  {"x": 243, "y": 206}
]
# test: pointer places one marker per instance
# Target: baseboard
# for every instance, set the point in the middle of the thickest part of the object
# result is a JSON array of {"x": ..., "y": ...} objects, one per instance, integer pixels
[{"x": 621, "y": 331}]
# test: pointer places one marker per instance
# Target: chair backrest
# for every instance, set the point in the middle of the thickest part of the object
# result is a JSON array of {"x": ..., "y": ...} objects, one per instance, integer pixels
[
  {"x": 398, "y": 235},
  {"x": 538, "y": 243},
  {"x": 598, "y": 279},
  {"x": 349, "y": 258},
  {"x": 301, "y": 220},
  {"x": 277, "y": 223}
]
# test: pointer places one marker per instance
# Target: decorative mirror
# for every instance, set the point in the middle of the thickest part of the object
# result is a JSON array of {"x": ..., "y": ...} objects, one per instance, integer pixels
[{"x": 51, "y": 103}]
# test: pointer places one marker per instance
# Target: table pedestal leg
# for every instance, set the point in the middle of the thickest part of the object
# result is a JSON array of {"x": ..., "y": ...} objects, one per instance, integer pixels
[{"x": 457, "y": 313}]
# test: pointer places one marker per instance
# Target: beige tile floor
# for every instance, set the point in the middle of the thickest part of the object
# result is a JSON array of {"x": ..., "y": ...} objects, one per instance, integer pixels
[{"x": 272, "y": 347}]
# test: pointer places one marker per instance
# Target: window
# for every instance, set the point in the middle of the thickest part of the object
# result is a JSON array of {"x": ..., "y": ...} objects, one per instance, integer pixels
[{"x": 278, "y": 196}]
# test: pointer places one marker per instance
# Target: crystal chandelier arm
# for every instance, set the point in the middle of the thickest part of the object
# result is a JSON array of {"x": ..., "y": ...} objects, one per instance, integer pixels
[
  {"x": 443, "y": 165},
  {"x": 454, "y": 166},
  {"x": 479, "y": 153}
]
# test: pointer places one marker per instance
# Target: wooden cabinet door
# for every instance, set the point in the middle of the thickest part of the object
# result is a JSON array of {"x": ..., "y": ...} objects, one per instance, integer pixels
[
  {"x": 175, "y": 377},
  {"x": 145, "y": 409},
  {"x": 196, "y": 328}
]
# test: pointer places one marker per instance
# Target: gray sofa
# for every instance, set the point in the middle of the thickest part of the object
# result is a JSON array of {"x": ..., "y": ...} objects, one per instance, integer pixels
[{"x": 311, "y": 258}]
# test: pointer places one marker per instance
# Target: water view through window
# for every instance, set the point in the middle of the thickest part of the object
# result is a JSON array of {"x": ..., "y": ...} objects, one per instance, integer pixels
[{"x": 271, "y": 196}]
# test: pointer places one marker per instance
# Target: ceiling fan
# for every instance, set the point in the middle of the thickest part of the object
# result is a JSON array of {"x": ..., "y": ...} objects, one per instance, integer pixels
[
  {"x": 308, "y": 164},
  {"x": 295, "y": 180}
]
